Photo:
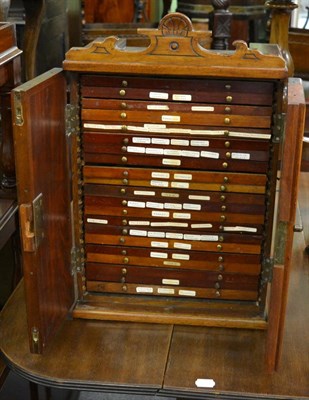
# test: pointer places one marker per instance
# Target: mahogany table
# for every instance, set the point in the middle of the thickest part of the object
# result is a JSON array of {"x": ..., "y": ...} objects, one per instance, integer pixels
[{"x": 166, "y": 360}]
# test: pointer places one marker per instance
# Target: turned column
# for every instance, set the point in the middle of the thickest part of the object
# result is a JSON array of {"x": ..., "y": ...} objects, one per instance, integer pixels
[
  {"x": 220, "y": 24},
  {"x": 279, "y": 32}
]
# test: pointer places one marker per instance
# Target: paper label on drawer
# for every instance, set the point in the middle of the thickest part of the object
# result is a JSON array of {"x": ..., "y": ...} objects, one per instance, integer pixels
[
  {"x": 192, "y": 237},
  {"x": 173, "y": 195},
  {"x": 181, "y": 215},
  {"x": 172, "y": 235},
  {"x": 135, "y": 149},
  {"x": 170, "y": 282},
  {"x": 201, "y": 226},
  {"x": 197, "y": 197},
  {"x": 166, "y": 291},
  {"x": 168, "y": 161},
  {"x": 102, "y": 126},
  {"x": 240, "y": 156},
  {"x": 154, "y": 150},
  {"x": 157, "y": 107},
  {"x": 173, "y": 224},
  {"x": 97, "y": 221},
  {"x": 139, "y": 223},
  {"x": 163, "y": 245},
  {"x": 187, "y": 293},
  {"x": 159, "y": 183},
  {"x": 172, "y": 206},
  {"x": 143, "y": 140},
  {"x": 160, "y": 175},
  {"x": 209, "y": 238},
  {"x": 172, "y": 152},
  {"x": 250, "y": 135},
  {"x": 170, "y": 118},
  {"x": 137, "y": 128},
  {"x": 178, "y": 256},
  {"x": 172, "y": 263},
  {"x": 209, "y": 154},
  {"x": 239, "y": 229},
  {"x": 144, "y": 193},
  {"x": 183, "y": 177},
  {"x": 185, "y": 246},
  {"x": 180, "y": 185},
  {"x": 135, "y": 232},
  {"x": 158, "y": 95},
  {"x": 200, "y": 143},
  {"x": 154, "y": 127},
  {"x": 157, "y": 254},
  {"x": 160, "y": 141},
  {"x": 160, "y": 214},
  {"x": 205, "y": 383},
  {"x": 152, "y": 204},
  {"x": 182, "y": 97},
  {"x": 180, "y": 142},
  {"x": 154, "y": 234},
  {"x": 203, "y": 108},
  {"x": 189, "y": 206},
  {"x": 187, "y": 153},
  {"x": 136, "y": 204},
  {"x": 144, "y": 289}
]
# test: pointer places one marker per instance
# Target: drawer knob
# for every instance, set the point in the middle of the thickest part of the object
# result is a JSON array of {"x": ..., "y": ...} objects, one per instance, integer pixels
[
  {"x": 225, "y": 165},
  {"x": 124, "y": 288},
  {"x": 122, "y": 240},
  {"x": 223, "y": 188},
  {"x": 123, "y": 149},
  {"x": 228, "y": 86},
  {"x": 124, "y": 128},
  {"x": 228, "y": 154},
  {"x": 217, "y": 285},
  {"x": 229, "y": 99},
  {"x": 125, "y": 141},
  {"x": 125, "y": 261},
  {"x": 220, "y": 259},
  {"x": 123, "y": 191},
  {"x": 124, "y": 202},
  {"x": 123, "y": 115},
  {"x": 218, "y": 294},
  {"x": 227, "y": 109},
  {"x": 222, "y": 218},
  {"x": 122, "y": 92},
  {"x": 123, "y": 105},
  {"x": 124, "y": 159},
  {"x": 124, "y": 271},
  {"x": 227, "y": 121},
  {"x": 221, "y": 267},
  {"x": 219, "y": 247},
  {"x": 227, "y": 144},
  {"x": 124, "y": 212},
  {"x": 124, "y": 232},
  {"x": 223, "y": 208},
  {"x": 125, "y": 181},
  {"x": 124, "y": 222},
  {"x": 223, "y": 198},
  {"x": 124, "y": 83},
  {"x": 220, "y": 277}
]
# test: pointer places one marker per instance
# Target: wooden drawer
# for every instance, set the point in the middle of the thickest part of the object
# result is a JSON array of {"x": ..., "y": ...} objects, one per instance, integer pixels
[
  {"x": 193, "y": 90},
  {"x": 248, "y": 264}
]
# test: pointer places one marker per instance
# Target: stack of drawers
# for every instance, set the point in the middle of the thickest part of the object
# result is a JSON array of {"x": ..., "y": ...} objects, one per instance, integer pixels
[{"x": 178, "y": 187}]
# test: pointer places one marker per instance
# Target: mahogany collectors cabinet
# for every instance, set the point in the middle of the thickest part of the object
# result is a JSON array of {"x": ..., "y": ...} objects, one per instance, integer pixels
[{"x": 164, "y": 190}]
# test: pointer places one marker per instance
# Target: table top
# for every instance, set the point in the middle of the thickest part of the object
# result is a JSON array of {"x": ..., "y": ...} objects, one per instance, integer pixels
[{"x": 164, "y": 359}]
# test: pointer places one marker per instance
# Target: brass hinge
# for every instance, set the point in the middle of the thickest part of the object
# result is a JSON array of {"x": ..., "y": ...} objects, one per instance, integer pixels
[
  {"x": 35, "y": 340},
  {"x": 76, "y": 260},
  {"x": 280, "y": 242},
  {"x": 267, "y": 270},
  {"x": 18, "y": 109},
  {"x": 279, "y": 121},
  {"x": 72, "y": 120},
  {"x": 31, "y": 221}
]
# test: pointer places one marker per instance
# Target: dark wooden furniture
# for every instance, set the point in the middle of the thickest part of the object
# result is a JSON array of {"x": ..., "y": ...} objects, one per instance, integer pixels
[{"x": 173, "y": 191}]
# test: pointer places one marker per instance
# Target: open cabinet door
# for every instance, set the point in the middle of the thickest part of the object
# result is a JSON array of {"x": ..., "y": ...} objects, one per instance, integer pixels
[{"x": 42, "y": 172}]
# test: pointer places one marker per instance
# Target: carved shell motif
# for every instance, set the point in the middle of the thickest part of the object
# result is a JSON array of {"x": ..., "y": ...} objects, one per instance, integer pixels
[{"x": 176, "y": 25}]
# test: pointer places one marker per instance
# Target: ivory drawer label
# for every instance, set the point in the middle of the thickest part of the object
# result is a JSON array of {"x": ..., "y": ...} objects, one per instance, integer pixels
[
  {"x": 201, "y": 226},
  {"x": 168, "y": 161},
  {"x": 154, "y": 127},
  {"x": 179, "y": 256},
  {"x": 170, "y": 282},
  {"x": 181, "y": 215},
  {"x": 192, "y": 237},
  {"x": 135, "y": 149},
  {"x": 183, "y": 177},
  {"x": 172, "y": 235},
  {"x": 209, "y": 154},
  {"x": 159, "y": 183},
  {"x": 171, "y": 152},
  {"x": 187, "y": 293},
  {"x": 241, "y": 156},
  {"x": 180, "y": 185},
  {"x": 189, "y": 206},
  {"x": 172, "y": 263},
  {"x": 160, "y": 175},
  {"x": 239, "y": 229},
  {"x": 160, "y": 214},
  {"x": 250, "y": 135},
  {"x": 182, "y": 97},
  {"x": 160, "y": 141},
  {"x": 203, "y": 108},
  {"x": 141, "y": 289},
  {"x": 158, "y": 95},
  {"x": 170, "y": 118},
  {"x": 154, "y": 150},
  {"x": 187, "y": 153},
  {"x": 151, "y": 204},
  {"x": 184, "y": 246},
  {"x": 136, "y": 204},
  {"x": 154, "y": 234},
  {"x": 209, "y": 238},
  {"x": 198, "y": 197},
  {"x": 180, "y": 142},
  {"x": 139, "y": 223},
  {"x": 143, "y": 140},
  {"x": 200, "y": 143},
  {"x": 97, "y": 221},
  {"x": 157, "y": 254},
  {"x": 172, "y": 206},
  {"x": 173, "y": 195},
  {"x": 163, "y": 245},
  {"x": 173, "y": 224},
  {"x": 144, "y": 193},
  {"x": 157, "y": 107},
  {"x": 166, "y": 291},
  {"x": 136, "y": 232}
]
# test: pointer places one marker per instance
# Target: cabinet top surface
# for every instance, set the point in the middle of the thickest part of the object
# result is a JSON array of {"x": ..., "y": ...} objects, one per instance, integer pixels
[{"x": 174, "y": 49}]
